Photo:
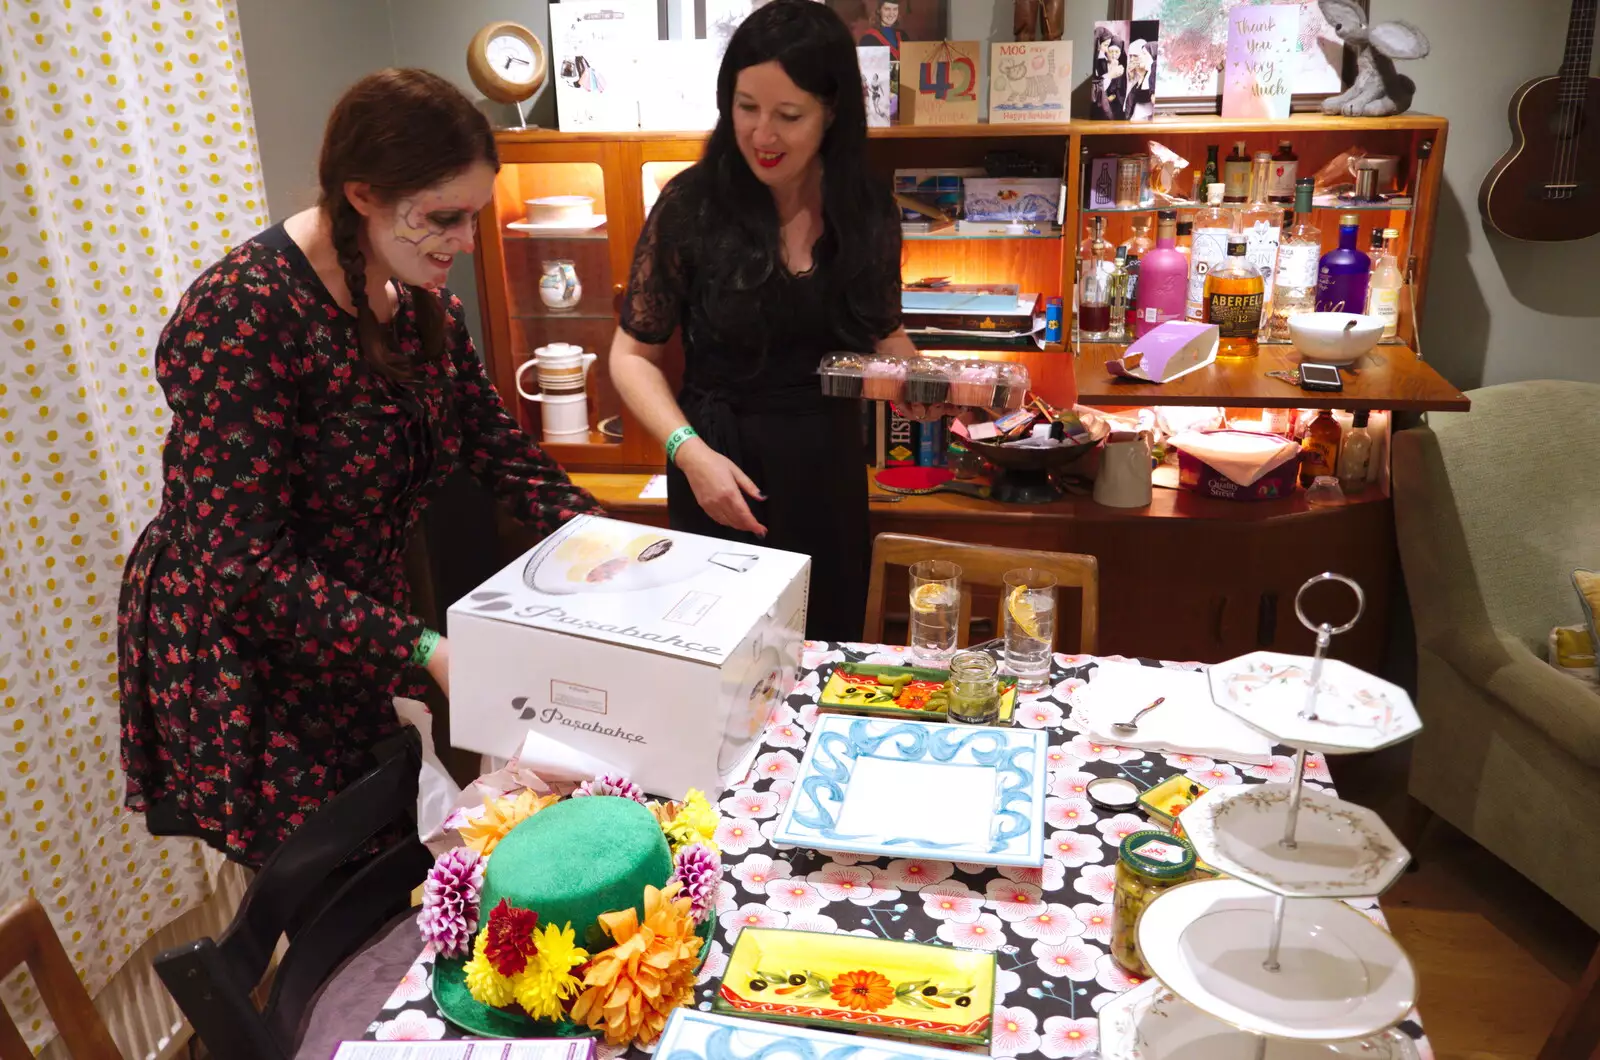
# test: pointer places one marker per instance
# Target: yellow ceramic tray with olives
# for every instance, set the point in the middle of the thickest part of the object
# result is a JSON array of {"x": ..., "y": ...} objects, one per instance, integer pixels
[
  {"x": 899, "y": 692},
  {"x": 849, "y": 982}
]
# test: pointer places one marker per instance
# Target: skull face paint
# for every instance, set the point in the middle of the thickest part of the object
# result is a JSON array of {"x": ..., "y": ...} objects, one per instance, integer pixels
[{"x": 415, "y": 239}]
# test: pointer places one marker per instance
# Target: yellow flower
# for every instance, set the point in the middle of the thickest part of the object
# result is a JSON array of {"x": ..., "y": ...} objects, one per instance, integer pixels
[
  {"x": 631, "y": 989},
  {"x": 548, "y": 979},
  {"x": 500, "y": 816},
  {"x": 486, "y": 985},
  {"x": 688, "y": 822}
]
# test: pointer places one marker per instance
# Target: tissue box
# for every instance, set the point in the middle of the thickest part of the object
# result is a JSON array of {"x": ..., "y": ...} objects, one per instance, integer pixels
[
  {"x": 1197, "y": 476},
  {"x": 658, "y": 652},
  {"x": 1173, "y": 349}
]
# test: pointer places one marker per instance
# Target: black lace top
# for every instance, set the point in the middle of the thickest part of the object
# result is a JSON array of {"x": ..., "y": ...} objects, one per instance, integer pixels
[{"x": 751, "y": 343}]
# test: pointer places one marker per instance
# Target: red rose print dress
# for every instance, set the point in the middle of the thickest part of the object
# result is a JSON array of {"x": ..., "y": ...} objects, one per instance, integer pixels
[{"x": 263, "y": 626}]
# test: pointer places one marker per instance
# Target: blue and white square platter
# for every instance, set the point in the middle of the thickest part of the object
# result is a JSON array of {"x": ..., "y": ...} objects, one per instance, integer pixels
[
  {"x": 914, "y": 789},
  {"x": 694, "y": 1035}
]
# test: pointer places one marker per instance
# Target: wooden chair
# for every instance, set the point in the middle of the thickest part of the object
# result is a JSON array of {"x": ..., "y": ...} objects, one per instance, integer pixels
[
  {"x": 26, "y": 936},
  {"x": 986, "y": 566},
  {"x": 316, "y": 889}
]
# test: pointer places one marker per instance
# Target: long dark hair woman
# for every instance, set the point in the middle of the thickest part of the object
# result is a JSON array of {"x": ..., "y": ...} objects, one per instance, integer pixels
[
  {"x": 776, "y": 248},
  {"x": 322, "y": 385}
]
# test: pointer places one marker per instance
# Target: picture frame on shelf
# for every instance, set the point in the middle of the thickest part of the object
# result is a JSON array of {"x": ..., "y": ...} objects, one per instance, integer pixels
[
  {"x": 1126, "y": 70},
  {"x": 1189, "y": 78}
]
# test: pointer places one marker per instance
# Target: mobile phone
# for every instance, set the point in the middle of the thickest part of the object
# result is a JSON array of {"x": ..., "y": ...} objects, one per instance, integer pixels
[{"x": 1320, "y": 377}]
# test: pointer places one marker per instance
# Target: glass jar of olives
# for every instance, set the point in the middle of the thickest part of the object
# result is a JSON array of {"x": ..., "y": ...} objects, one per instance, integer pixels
[
  {"x": 974, "y": 690},
  {"x": 1148, "y": 863}
]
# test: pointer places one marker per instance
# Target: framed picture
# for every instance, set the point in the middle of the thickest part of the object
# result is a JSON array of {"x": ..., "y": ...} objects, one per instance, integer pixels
[
  {"x": 1194, "y": 42},
  {"x": 886, "y": 23},
  {"x": 1126, "y": 70}
]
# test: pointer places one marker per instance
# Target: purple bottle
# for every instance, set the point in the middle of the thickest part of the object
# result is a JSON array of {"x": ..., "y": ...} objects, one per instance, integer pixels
[
  {"x": 1344, "y": 272},
  {"x": 1163, "y": 278}
]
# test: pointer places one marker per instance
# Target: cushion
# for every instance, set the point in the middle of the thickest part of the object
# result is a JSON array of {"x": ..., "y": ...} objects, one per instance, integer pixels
[
  {"x": 352, "y": 997},
  {"x": 1587, "y": 582}
]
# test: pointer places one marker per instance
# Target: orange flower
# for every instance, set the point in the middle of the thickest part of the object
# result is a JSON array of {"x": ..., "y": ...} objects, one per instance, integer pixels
[
  {"x": 867, "y": 991},
  {"x": 500, "y": 816},
  {"x": 630, "y": 989}
]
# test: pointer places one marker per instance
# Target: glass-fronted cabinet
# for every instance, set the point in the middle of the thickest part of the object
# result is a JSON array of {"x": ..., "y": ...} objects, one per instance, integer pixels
[{"x": 555, "y": 248}]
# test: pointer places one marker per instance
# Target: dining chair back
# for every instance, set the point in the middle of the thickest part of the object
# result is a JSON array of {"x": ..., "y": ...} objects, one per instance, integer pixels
[
  {"x": 326, "y": 892},
  {"x": 27, "y": 937},
  {"x": 986, "y": 566}
]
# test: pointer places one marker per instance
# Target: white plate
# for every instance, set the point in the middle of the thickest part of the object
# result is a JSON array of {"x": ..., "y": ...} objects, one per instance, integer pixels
[
  {"x": 587, "y": 224},
  {"x": 694, "y": 1035},
  {"x": 1341, "y": 850},
  {"x": 1150, "y": 1022},
  {"x": 586, "y": 556},
  {"x": 911, "y": 789},
  {"x": 1355, "y": 711},
  {"x": 1340, "y": 976}
]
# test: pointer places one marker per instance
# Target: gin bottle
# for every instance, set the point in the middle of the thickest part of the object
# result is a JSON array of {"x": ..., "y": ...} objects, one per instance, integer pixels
[
  {"x": 1212, "y": 226},
  {"x": 1294, "y": 280},
  {"x": 1262, "y": 223}
]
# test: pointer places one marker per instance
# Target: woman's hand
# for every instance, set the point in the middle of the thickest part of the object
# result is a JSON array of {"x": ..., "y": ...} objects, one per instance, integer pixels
[
  {"x": 438, "y": 666},
  {"x": 719, "y": 486}
]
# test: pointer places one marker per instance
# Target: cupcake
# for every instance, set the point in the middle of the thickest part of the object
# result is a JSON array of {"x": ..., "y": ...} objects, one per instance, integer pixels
[
  {"x": 973, "y": 385},
  {"x": 841, "y": 375},
  {"x": 927, "y": 381},
  {"x": 884, "y": 379},
  {"x": 1011, "y": 388}
]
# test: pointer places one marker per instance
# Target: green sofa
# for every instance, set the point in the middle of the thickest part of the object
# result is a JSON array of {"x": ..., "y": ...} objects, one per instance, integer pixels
[{"x": 1493, "y": 510}]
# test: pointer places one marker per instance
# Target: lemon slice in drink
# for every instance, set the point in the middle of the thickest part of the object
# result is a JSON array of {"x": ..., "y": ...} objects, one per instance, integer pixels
[
  {"x": 1022, "y": 613},
  {"x": 928, "y": 597}
]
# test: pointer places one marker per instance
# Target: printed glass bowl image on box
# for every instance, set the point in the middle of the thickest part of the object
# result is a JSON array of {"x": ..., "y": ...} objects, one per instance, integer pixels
[{"x": 588, "y": 556}]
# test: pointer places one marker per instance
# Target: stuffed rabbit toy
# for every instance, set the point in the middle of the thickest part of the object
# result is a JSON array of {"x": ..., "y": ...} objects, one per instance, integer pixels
[{"x": 1378, "y": 88}]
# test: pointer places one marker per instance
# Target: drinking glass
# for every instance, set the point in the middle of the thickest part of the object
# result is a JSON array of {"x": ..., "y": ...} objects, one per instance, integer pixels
[
  {"x": 935, "y": 610},
  {"x": 1030, "y": 626}
]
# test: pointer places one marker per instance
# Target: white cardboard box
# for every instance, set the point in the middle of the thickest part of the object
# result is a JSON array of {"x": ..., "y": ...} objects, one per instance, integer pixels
[{"x": 659, "y": 652}]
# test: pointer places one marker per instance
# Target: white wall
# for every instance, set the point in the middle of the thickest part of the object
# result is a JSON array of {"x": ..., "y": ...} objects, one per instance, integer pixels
[{"x": 1497, "y": 310}]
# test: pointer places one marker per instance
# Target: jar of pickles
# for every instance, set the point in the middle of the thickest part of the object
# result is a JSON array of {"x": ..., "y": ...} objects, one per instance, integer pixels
[
  {"x": 1148, "y": 863},
  {"x": 974, "y": 688}
]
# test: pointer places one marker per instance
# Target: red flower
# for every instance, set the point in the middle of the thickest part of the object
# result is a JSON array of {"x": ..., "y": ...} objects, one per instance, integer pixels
[
  {"x": 864, "y": 990},
  {"x": 510, "y": 944}
]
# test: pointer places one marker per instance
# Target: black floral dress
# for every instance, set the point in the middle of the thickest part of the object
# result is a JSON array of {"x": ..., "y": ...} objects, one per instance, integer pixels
[{"x": 263, "y": 627}]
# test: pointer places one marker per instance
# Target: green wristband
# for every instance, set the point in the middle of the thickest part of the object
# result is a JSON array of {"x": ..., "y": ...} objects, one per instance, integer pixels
[
  {"x": 427, "y": 640},
  {"x": 677, "y": 438}
]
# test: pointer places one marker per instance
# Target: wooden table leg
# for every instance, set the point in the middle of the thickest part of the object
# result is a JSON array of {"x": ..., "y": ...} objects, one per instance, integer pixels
[{"x": 1577, "y": 1032}]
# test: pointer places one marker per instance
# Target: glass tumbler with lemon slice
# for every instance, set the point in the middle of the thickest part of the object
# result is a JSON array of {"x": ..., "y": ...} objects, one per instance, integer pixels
[
  {"x": 1030, "y": 626},
  {"x": 935, "y": 611}
]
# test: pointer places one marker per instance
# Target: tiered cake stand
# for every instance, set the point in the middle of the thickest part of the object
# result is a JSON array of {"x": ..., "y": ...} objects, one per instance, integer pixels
[{"x": 1272, "y": 963}]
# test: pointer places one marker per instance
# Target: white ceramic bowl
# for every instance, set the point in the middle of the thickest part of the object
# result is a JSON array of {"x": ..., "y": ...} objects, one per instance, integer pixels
[
  {"x": 1327, "y": 337},
  {"x": 560, "y": 209}
]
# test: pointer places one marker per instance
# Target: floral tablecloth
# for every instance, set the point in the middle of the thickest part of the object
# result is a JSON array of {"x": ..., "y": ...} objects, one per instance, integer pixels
[{"x": 1050, "y": 928}]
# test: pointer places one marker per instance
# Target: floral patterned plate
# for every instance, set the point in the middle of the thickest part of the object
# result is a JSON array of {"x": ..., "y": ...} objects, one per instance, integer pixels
[
  {"x": 898, "y": 989},
  {"x": 1341, "y": 850},
  {"x": 1150, "y": 1022},
  {"x": 1354, "y": 711},
  {"x": 856, "y": 689},
  {"x": 909, "y": 789},
  {"x": 1339, "y": 975}
]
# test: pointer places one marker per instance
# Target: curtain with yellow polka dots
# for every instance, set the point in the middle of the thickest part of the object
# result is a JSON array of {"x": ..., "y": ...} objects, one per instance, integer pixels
[{"x": 128, "y": 162}]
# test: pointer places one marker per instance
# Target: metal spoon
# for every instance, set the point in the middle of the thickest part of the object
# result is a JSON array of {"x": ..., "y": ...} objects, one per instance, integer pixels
[{"x": 1131, "y": 726}]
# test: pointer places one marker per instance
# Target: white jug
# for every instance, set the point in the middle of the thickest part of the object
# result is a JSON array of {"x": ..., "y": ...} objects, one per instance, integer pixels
[
  {"x": 563, "y": 369},
  {"x": 1124, "y": 478}
]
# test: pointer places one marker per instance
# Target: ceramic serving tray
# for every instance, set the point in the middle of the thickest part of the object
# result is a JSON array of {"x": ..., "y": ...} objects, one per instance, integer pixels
[
  {"x": 900, "y": 989},
  {"x": 854, "y": 688},
  {"x": 694, "y": 1035},
  {"x": 907, "y": 789}
]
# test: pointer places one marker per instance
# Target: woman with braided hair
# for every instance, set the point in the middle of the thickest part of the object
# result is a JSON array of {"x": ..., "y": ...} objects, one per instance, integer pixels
[{"x": 322, "y": 385}]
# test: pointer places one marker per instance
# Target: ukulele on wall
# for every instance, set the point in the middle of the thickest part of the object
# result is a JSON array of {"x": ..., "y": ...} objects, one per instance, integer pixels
[{"x": 1547, "y": 187}]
